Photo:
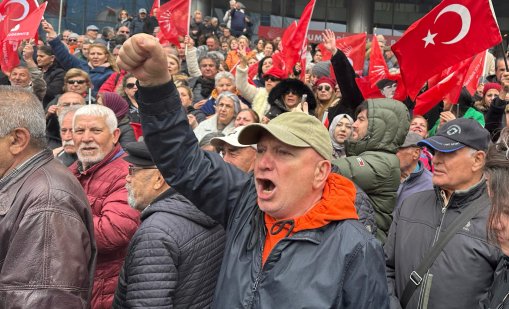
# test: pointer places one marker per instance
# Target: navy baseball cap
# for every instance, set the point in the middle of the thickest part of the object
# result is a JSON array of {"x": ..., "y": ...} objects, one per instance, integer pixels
[{"x": 458, "y": 133}]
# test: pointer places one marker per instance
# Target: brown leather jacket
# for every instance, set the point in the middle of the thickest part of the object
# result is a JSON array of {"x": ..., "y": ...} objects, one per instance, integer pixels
[{"x": 47, "y": 246}]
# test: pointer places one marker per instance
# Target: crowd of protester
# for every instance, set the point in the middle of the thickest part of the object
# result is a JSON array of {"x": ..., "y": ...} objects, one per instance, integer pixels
[{"x": 139, "y": 174}]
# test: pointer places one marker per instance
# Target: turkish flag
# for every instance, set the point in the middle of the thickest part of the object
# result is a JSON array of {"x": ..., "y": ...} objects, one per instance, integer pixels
[
  {"x": 447, "y": 89},
  {"x": 13, "y": 12},
  {"x": 155, "y": 5},
  {"x": 353, "y": 46},
  {"x": 378, "y": 69},
  {"x": 475, "y": 72},
  {"x": 173, "y": 18},
  {"x": 9, "y": 55},
  {"x": 448, "y": 34},
  {"x": 294, "y": 38},
  {"x": 27, "y": 28}
]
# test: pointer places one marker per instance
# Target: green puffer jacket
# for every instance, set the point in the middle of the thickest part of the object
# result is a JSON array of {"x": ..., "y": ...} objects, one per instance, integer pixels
[{"x": 372, "y": 163}]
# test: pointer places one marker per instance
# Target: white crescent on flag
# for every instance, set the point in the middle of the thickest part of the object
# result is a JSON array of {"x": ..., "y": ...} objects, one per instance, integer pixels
[
  {"x": 26, "y": 8},
  {"x": 466, "y": 20}
]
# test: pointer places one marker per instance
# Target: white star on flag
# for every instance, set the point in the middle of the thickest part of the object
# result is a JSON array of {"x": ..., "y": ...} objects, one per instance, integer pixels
[{"x": 429, "y": 39}]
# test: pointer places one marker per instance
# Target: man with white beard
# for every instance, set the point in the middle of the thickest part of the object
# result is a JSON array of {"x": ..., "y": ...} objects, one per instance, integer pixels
[
  {"x": 102, "y": 172},
  {"x": 67, "y": 153},
  {"x": 174, "y": 257}
]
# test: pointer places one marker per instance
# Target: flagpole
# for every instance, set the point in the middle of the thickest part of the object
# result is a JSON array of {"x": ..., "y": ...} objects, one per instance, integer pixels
[{"x": 60, "y": 15}]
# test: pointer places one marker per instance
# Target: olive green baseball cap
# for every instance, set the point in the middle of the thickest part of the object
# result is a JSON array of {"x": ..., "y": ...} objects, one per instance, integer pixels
[{"x": 293, "y": 128}]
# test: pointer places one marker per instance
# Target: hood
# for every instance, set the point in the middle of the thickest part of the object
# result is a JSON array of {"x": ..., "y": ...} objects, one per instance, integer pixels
[
  {"x": 174, "y": 203},
  {"x": 388, "y": 124},
  {"x": 277, "y": 92}
]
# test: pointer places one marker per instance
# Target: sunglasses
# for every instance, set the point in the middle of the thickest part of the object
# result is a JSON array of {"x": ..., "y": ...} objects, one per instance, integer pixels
[
  {"x": 271, "y": 78},
  {"x": 130, "y": 85},
  {"x": 74, "y": 82},
  {"x": 320, "y": 88},
  {"x": 291, "y": 91},
  {"x": 72, "y": 40}
]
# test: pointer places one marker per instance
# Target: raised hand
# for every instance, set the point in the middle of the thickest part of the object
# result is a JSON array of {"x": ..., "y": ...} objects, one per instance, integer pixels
[
  {"x": 48, "y": 28},
  {"x": 329, "y": 41},
  {"x": 144, "y": 57}
]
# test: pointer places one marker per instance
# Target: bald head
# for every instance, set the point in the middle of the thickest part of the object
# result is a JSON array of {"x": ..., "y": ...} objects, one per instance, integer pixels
[{"x": 70, "y": 98}]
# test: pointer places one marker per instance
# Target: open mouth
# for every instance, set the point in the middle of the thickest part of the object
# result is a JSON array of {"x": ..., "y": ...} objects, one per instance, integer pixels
[{"x": 265, "y": 188}]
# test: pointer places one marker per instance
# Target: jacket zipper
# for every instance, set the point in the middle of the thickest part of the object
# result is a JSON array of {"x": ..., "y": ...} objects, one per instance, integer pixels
[
  {"x": 259, "y": 275},
  {"x": 437, "y": 234}
]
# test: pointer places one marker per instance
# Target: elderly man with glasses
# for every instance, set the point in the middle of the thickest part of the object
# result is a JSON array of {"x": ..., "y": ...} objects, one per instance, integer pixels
[{"x": 175, "y": 255}]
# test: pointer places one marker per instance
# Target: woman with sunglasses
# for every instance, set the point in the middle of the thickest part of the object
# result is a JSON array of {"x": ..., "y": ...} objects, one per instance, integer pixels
[
  {"x": 497, "y": 176},
  {"x": 101, "y": 63},
  {"x": 127, "y": 91},
  {"x": 325, "y": 93},
  {"x": 290, "y": 95},
  {"x": 53, "y": 73}
]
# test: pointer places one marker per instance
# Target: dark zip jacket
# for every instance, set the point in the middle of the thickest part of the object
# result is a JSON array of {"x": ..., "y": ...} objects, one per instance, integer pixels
[{"x": 336, "y": 266}]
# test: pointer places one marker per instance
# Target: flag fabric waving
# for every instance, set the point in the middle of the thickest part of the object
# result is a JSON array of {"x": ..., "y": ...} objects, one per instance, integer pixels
[
  {"x": 453, "y": 31},
  {"x": 27, "y": 28},
  {"x": 13, "y": 12},
  {"x": 447, "y": 89},
  {"x": 155, "y": 5},
  {"x": 475, "y": 71},
  {"x": 8, "y": 55},
  {"x": 294, "y": 38},
  {"x": 378, "y": 69},
  {"x": 353, "y": 46},
  {"x": 173, "y": 18}
]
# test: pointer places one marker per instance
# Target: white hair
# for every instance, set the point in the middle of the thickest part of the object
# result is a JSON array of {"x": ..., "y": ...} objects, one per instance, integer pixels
[
  {"x": 67, "y": 110},
  {"x": 20, "y": 108},
  {"x": 222, "y": 75},
  {"x": 99, "y": 111}
]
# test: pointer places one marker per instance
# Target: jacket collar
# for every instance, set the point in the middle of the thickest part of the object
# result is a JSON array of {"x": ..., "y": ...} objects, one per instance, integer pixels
[{"x": 13, "y": 182}]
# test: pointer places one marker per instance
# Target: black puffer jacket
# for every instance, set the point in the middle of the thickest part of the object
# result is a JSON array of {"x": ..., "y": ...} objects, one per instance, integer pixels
[
  {"x": 336, "y": 266},
  {"x": 54, "y": 78},
  {"x": 498, "y": 297},
  {"x": 173, "y": 259},
  {"x": 275, "y": 99}
]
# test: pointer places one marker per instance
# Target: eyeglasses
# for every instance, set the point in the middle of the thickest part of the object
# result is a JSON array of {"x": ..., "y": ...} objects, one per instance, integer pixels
[
  {"x": 72, "y": 40},
  {"x": 132, "y": 169},
  {"x": 320, "y": 88},
  {"x": 74, "y": 82},
  {"x": 130, "y": 85},
  {"x": 271, "y": 78}
]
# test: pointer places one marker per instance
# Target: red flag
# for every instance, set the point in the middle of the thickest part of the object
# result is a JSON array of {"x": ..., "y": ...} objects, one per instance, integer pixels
[
  {"x": 377, "y": 67},
  {"x": 353, "y": 46},
  {"x": 173, "y": 18},
  {"x": 448, "y": 89},
  {"x": 475, "y": 72},
  {"x": 12, "y": 12},
  {"x": 448, "y": 34},
  {"x": 367, "y": 89},
  {"x": 294, "y": 38},
  {"x": 155, "y": 5},
  {"x": 8, "y": 55},
  {"x": 27, "y": 28}
]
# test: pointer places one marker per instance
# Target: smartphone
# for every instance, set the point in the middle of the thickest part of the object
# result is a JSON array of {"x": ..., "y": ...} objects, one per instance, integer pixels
[{"x": 304, "y": 98}]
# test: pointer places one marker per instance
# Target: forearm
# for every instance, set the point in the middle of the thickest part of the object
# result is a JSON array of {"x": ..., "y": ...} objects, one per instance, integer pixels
[{"x": 192, "y": 62}]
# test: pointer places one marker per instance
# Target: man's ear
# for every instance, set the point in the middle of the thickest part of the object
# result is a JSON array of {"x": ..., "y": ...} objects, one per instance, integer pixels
[
  {"x": 322, "y": 171},
  {"x": 479, "y": 160},
  {"x": 159, "y": 181},
  {"x": 19, "y": 140}
]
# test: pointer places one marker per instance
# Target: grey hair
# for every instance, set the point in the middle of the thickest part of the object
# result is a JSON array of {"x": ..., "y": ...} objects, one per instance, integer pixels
[
  {"x": 67, "y": 110},
  {"x": 233, "y": 97},
  {"x": 222, "y": 75},
  {"x": 20, "y": 108},
  {"x": 98, "y": 111}
]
